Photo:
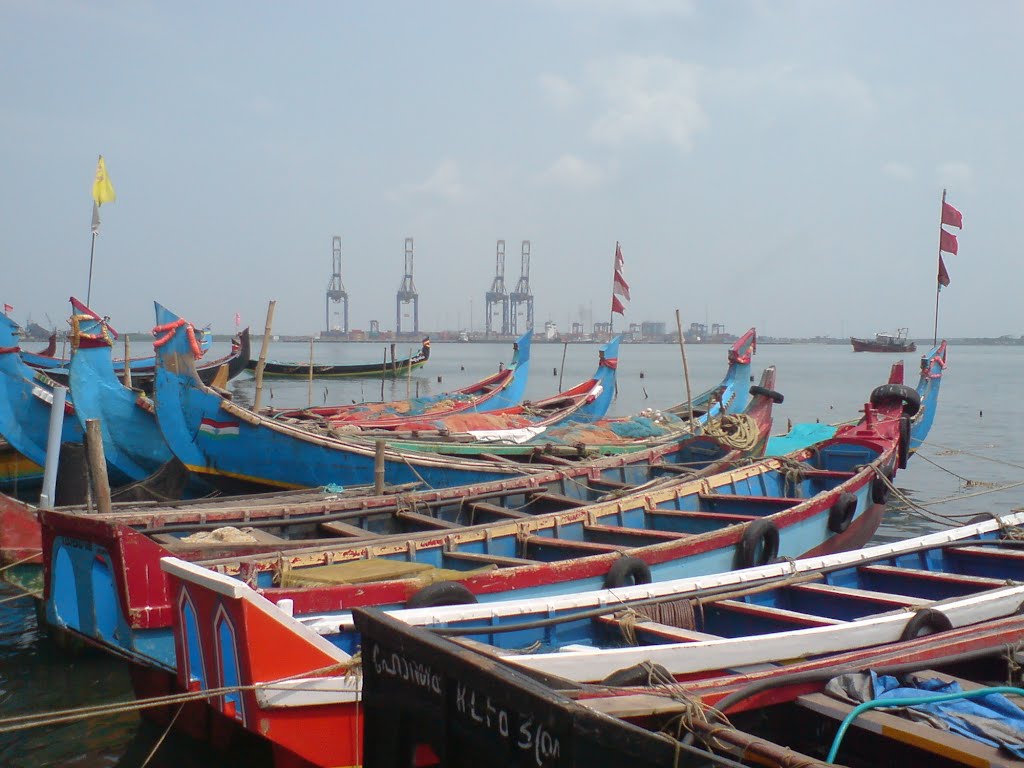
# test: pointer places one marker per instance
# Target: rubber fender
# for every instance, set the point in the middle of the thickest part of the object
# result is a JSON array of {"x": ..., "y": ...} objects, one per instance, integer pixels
[
  {"x": 903, "y": 452},
  {"x": 760, "y": 543},
  {"x": 627, "y": 571},
  {"x": 441, "y": 593},
  {"x": 907, "y": 395},
  {"x": 842, "y": 512},
  {"x": 776, "y": 397},
  {"x": 926, "y": 622}
]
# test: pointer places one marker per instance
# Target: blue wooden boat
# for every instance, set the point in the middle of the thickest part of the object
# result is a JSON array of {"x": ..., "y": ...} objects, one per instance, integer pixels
[
  {"x": 504, "y": 389},
  {"x": 132, "y": 441},
  {"x": 824, "y": 499},
  {"x": 25, "y": 397},
  {"x": 949, "y": 600},
  {"x": 231, "y": 446}
]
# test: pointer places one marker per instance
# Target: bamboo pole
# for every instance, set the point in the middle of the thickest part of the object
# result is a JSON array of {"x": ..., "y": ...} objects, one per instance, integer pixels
[
  {"x": 686, "y": 370},
  {"x": 383, "y": 373},
  {"x": 408, "y": 378},
  {"x": 310, "y": 399},
  {"x": 263, "y": 355},
  {"x": 97, "y": 465},
  {"x": 127, "y": 362},
  {"x": 378, "y": 468},
  {"x": 561, "y": 370}
]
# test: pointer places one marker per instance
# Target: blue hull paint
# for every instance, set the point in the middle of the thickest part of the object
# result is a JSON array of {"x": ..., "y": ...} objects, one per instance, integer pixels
[{"x": 226, "y": 443}]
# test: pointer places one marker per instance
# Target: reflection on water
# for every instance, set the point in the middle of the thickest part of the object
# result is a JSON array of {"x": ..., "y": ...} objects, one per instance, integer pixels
[{"x": 970, "y": 465}]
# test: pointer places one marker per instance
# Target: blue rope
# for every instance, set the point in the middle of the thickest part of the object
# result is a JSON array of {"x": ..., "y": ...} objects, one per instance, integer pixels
[{"x": 910, "y": 702}]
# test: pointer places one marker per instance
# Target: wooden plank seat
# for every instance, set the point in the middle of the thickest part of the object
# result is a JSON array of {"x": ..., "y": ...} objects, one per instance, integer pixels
[
  {"x": 665, "y": 632},
  {"x": 487, "y": 509},
  {"x": 484, "y": 558},
  {"x": 878, "y": 601},
  {"x": 781, "y": 616},
  {"x": 684, "y": 514},
  {"x": 634, "y": 537},
  {"x": 568, "y": 548},
  {"x": 427, "y": 521},
  {"x": 604, "y": 484},
  {"x": 940, "y": 585},
  {"x": 556, "y": 500},
  {"x": 341, "y": 528},
  {"x": 728, "y": 502}
]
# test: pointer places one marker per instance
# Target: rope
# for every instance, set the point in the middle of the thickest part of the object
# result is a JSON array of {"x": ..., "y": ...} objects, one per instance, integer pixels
[
  {"x": 11, "y": 599},
  {"x": 736, "y": 430},
  {"x": 23, "y": 560}
]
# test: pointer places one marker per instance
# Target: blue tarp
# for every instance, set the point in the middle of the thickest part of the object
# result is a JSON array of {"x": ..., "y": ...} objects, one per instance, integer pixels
[{"x": 800, "y": 436}]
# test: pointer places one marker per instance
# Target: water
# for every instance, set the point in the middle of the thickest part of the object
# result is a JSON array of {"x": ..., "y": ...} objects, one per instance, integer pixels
[{"x": 974, "y": 448}]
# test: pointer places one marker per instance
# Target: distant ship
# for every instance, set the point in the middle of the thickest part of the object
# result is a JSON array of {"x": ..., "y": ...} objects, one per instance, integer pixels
[{"x": 885, "y": 342}]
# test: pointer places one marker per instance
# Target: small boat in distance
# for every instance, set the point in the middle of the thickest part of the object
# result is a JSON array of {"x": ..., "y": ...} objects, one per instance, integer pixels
[
  {"x": 885, "y": 342},
  {"x": 386, "y": 368}
]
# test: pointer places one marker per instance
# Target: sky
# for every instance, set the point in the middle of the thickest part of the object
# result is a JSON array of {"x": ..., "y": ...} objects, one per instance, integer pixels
[{"x": 771, "y": 164}]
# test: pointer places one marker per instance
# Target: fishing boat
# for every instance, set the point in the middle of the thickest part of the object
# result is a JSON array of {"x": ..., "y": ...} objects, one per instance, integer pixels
[
  {"x": 948, "y": 600},
  {"x": 17, "y": 473},
  {"x": 581, "y": 404},
  {"x": 824, "y": 499},
  {"x": 232, "y": 447},
  {"x": 885, "y": 342},
  {"x": 140, "y": 373},
  {"x": 386, "y": 368},
  {"x": 610, "y": 436},
  {"x": 499, "y": 390}
]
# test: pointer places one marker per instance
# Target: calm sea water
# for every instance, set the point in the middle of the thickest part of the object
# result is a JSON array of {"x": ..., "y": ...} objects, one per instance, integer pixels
[{"x": 972, "y": 463}]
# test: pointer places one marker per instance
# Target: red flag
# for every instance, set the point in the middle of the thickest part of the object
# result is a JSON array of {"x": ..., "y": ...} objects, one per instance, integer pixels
[
  {"x": 952, "y": 216},
  {"x": 8, "y": 308},
  {"x": 943, "y": 274},
  {"x": 618, "y": 306},
  {"x": 947, "y": 241},
  {"x": 619, "y": 286}
]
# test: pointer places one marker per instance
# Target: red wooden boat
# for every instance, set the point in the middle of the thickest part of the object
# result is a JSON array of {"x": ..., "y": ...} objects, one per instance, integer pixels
[{"x": 885, "y": 342}]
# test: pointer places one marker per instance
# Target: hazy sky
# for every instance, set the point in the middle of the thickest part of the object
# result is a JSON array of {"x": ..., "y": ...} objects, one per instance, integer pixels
[{"x": 777, "y": 164}]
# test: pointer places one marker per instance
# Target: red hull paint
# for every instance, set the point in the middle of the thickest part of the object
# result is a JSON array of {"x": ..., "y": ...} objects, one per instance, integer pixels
[{"x": 20, "y": 537}]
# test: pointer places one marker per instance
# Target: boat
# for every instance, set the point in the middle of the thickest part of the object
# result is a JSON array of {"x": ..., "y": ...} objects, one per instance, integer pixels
[
  {"x": 18, "y": 474},
  {"x": 517, "y": 424},
  {"x": 823, "y": 499},
  {"x": 386, "y": 368},
  {"x": 234, "y": 448},
  {"x": 608, "y": 436},
  {"x": 885, "y": 342},
  {"x": 494, "y": 392},
  {"x": 948, "y": 600},
  {"x": 142, "y": 371}
]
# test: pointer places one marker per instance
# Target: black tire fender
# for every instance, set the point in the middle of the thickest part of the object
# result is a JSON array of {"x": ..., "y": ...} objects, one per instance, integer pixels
[
  {"x": 926, "y": 622},
  {"x": 759, "y": 544},
  {"x": 775, "y": 397},
  {"x": 907, "y": 395},
  {"x": 441, "y": 593},
  {"x": 903, "y": 451},
  {"x": 627, "y": 571},
  {"x": 842, "y": 513},
  {"x": 879, "y": 491}
]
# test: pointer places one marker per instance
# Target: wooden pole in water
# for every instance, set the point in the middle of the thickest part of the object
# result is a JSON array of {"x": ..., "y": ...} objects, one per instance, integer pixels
[
  {"x": 383, "y": 373},
  {"x": 261, "y": 363},
  {"x": 378, "y": 468},
  {"x": 310, "y": 371},
  {"x": 97, "y": 465},
  {"x": 561, "y": 370},
  {"x": 408, "y": 378},
  {"x": 127, "y": 362},
  {"x": 686, "y": 371}
]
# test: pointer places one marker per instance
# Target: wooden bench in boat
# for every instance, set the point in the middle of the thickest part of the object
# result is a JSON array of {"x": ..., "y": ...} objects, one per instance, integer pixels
[
  {"x": 483, "y": 558},
  {"x": 341, "y": 528},
  {"x": 548, "y": 501},
  {"x": 633, "y": 537},
  {"x": 945, "y": 744},
  {"x": 965, "y": 583},
  {"x": 494, "y": 510},
  {"x": 569, "y": 547},
  {"x": 783, "y": 616},
  {"x": 428, "y": 521},
  {"x": 733, "y": 503},
  {"x": 880, "y": 600}
]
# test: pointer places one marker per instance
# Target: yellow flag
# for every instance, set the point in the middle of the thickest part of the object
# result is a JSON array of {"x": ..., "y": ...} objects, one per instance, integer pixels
[{"x": 102, "y": 189}]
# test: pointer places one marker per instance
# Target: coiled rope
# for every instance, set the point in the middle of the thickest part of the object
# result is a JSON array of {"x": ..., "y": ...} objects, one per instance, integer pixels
[{"x": 736, "y": 430}]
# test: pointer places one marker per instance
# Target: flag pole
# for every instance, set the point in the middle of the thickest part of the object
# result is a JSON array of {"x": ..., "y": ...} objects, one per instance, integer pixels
[
  {"x": 611, "y": 310},
  {"x": 938, "y": 285},
  {"x": 88, "y": 290}
]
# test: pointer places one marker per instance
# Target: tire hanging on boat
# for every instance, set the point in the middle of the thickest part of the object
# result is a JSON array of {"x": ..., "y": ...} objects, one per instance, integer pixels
[
  {"x": 903, "y": 453},
  {"x": 909, "y": 396},
  {"x": 627, "y": 571},
  {"x": 926, "y": 622},
  {"x": 759, "y": 544},
  {"x": 441, "y": 593},
  {"x": 775, "y": 397},
  {"x": 842, "y": 512}
]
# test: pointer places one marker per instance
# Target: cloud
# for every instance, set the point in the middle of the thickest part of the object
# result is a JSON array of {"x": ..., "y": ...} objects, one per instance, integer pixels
[
  {"x": 837, "y": 91},
  {"x": 955, "y": 174},
  {"x": 444, "y": 183},
  {"x": 648, "y": 99},
  {"x": 573, "y": 171},
  {"x": 900, "y": 171},
  {"x": 558, "y": 91}
]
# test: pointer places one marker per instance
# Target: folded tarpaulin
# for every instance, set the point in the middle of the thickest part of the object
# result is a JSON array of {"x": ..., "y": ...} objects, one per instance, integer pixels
[{"x": 991, "y": 719}]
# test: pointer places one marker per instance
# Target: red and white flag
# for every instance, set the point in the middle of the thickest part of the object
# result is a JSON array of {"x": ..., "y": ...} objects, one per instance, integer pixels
[
  {"x": 8, "y": 308},
  {"x": 943, "y": 274},
  {"x": 951, "y": 216},
  {"x": 947, "y": 241},
  {"x": 620, "y": 288},
  {"x": 238, "y": 319}
]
